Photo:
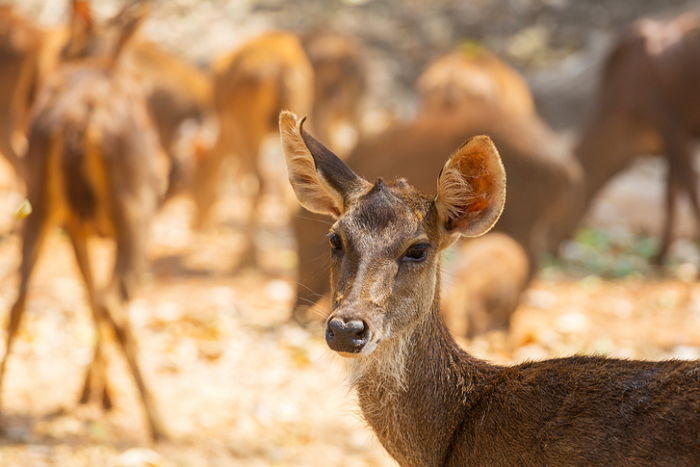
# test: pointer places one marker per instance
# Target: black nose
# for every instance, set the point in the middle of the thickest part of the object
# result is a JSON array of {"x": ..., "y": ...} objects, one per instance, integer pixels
[{"x": 346, "y": 336}]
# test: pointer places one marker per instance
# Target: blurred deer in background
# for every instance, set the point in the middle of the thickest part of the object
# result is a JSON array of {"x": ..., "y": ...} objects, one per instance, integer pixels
[
  {"x": 340, "y": 82},
  {"x": 178, "y": 94},
  {"x": 251, "y": 86},
  {"x": 469, "y": 75},
  {"x": 648, "y": 104},
  {"x": 429, "y": 402},
  {"x": 544, "y": 182},
  {"x": 92, "y": 167},
  {"x": 484, "y": 285},
  {"x": 20, "y": 44}
]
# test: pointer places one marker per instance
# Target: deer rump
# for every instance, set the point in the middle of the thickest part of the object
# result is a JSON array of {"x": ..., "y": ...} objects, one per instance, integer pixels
[{"x": 80, "y": 134}]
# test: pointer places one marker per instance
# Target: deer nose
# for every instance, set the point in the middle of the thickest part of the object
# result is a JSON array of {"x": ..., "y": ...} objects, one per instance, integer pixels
[{"x": 346, "y": 336}]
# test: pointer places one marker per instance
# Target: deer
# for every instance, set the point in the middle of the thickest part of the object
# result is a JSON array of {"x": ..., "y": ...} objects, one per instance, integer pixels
[
  {"x": 545, "y": 181},
  {"x": 340, "y": 82},
  {"x": 251, "y": 86},
  {"x": 178, "y": 93},
  {"x": 472, "y": 74},
  {"x": 427, "y": 400},
  {"x": 484, "y": 285},
  {"x": 647, "y": 104},
  {"x": 92, "y": 167}
]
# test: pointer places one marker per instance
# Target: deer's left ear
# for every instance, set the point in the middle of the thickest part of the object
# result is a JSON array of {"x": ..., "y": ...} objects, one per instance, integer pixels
[{"x": 471, "y": 189}]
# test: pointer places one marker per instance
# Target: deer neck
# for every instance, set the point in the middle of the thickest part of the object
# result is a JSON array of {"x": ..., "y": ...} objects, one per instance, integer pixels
[{"x": 415, "y": 389}]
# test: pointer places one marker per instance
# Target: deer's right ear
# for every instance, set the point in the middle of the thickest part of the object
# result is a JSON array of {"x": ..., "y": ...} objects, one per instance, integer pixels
[{"x": 321, "y": 181}]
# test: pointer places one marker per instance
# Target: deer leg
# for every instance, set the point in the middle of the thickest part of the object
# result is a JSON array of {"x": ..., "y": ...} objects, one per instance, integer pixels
[
  {"x": 127, "y": 345},
  {"x": 94, "y": 387},
  {"x": 670, "y": 216},
  {"x": 34, "y": 235},
  {"x": 250, "y": 229},
  {"x": 205, "y": 184},
  {"x": 128, "y": 267},
  {"x": 688, "y": 181},
  {"x": 681, "y": 173}
]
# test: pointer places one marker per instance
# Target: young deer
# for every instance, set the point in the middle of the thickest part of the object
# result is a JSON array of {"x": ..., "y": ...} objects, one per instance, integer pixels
[
  {"x": 92, "y": 168},
  {"x": 428, "y": 401},
  {"x": 648, "y": 104},
  {"x": 251, "y": 86},
  {"x": 473, "y": 304}
]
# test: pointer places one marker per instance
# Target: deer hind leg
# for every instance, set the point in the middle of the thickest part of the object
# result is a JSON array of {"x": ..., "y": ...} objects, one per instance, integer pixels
[
  {"x": 672, "y": 188},
  {"x": 35, "y": 230},
  {"x": 95, "y": 385},
  {"x": 681, "y": 177},
  {"x": 129, "y": 264},
  {"x": 246, "y": 142}
]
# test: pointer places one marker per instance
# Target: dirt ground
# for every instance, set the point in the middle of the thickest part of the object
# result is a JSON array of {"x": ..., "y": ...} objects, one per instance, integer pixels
[{"x": 236, "y": 383}]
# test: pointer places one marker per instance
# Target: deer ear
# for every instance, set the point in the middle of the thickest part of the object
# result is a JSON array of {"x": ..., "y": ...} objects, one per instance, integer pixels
[
  {"x": 81, "y": 28},
  {"x": 471, "y": 189},
  {"x": 322, "y": 182}
]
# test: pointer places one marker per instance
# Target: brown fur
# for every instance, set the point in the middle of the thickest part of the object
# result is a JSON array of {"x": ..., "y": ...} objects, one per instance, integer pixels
[
  {"x": 485, "y": 283},
  {"x": 543, "y": 180},
  {"x": 251, "y": 85},
  {"x": 473, "y": 75},
  {"x": 92, "y": 167},
  {"x": 340, "y": 83},
  {"x": 432, "y": 404},
  {"x": 648, "y": 104}
]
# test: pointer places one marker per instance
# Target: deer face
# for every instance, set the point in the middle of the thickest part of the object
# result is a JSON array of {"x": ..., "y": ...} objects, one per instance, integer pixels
[{"x": 387, "y": 237}]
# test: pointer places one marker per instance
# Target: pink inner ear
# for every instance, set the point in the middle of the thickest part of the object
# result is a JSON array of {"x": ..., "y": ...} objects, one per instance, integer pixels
[
  {"x": 477, "y": 205},
  {"x": 474, "y": 165}
]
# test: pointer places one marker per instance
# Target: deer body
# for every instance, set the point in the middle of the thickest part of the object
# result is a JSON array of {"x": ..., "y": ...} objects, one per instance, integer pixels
[
  {"x": 251, "y": 86},
  {"x": 647, "y": 105},
  {"x": 429, "y": 402},
  {"x": 452, "y": 409}
]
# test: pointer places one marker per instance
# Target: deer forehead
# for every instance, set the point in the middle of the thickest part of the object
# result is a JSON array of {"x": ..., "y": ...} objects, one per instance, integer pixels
[{"x": 384, "y": 217}]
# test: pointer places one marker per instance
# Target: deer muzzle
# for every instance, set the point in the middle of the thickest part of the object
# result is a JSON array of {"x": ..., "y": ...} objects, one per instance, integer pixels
[{"x": 347, "y": 336}]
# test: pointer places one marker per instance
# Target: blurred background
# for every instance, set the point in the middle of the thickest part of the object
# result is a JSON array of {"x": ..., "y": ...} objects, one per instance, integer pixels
[{"x": 228, "y": 315}]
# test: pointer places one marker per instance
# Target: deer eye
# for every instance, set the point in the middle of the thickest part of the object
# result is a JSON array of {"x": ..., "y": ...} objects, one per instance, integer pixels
[
  {"x": 335, "y": 241},
  {"x": 416, "y": 253}
]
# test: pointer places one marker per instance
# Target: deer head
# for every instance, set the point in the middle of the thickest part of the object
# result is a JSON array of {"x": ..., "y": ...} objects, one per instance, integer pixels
[{"x": 387, "y": 237}]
